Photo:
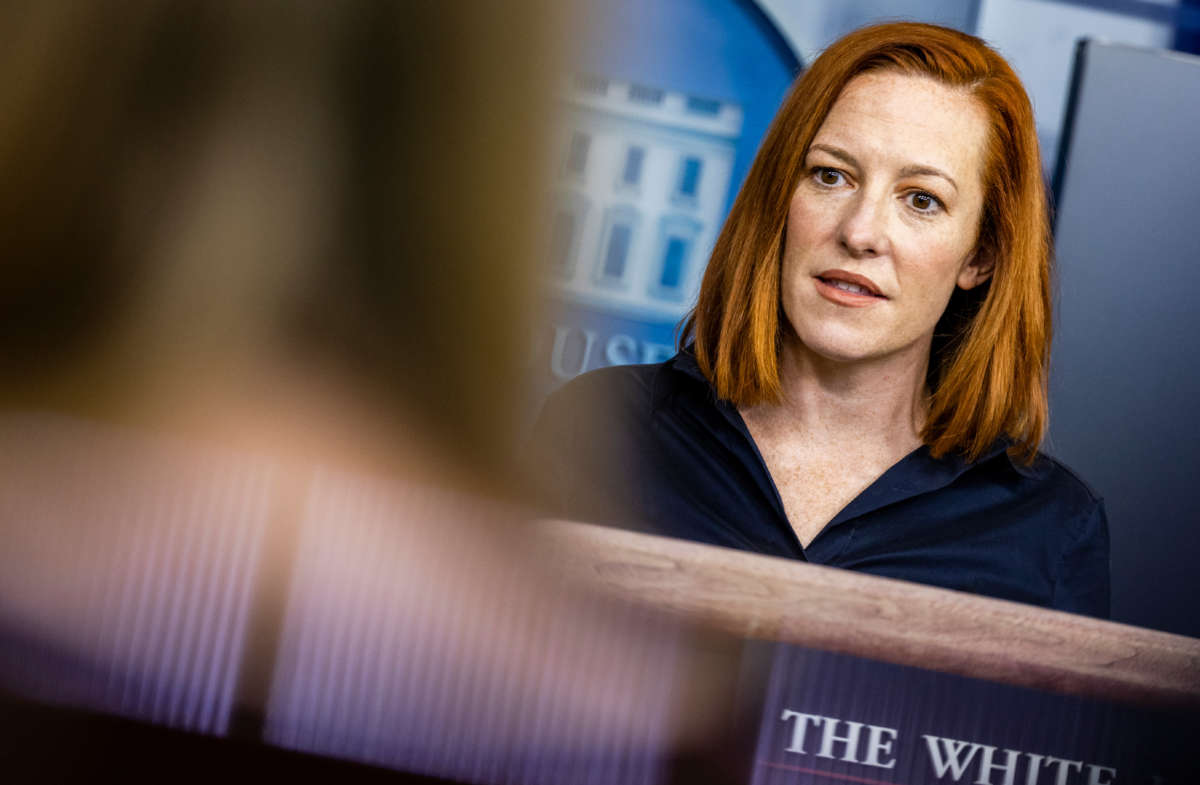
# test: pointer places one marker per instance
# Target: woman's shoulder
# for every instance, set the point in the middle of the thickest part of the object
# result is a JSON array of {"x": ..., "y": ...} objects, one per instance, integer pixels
[
  {"x": 629, "y": 383},
  {"x": 629, "y": 391},
  {"x": 585, "y": 452},
  {"x": 1056, "y": 477},
  {"x": 606, "y": 406}
]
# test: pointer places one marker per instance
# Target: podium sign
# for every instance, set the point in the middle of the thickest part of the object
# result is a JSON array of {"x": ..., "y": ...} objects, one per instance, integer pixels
[{"x": 831, "y": 718}]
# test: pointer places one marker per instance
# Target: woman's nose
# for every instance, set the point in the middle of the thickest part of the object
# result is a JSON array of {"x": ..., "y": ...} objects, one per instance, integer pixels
[{"x": 863, "y": 230}]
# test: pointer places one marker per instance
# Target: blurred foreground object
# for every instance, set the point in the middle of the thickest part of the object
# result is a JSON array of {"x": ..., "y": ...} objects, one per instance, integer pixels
[
  {"x": 200, "y": 198},
  {"x": 387, "y": 621},
  {"x": 262, "y": 310}
]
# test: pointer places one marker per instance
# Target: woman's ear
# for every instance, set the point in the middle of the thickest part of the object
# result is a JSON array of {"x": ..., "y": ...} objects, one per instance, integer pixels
[{"x": 976, "y": 269}]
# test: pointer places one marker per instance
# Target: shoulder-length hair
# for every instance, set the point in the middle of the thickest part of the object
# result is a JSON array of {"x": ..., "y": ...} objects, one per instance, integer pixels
[{"x": 990, "y": 357}]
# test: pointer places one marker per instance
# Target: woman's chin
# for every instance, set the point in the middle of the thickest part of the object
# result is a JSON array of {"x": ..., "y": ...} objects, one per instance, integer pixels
[
  {"x": 838, "y": 348},
  {"x": 850, "y": 348}
]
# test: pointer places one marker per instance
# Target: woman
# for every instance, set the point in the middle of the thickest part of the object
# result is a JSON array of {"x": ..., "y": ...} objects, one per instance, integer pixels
[{"x": 862, "y": 382}]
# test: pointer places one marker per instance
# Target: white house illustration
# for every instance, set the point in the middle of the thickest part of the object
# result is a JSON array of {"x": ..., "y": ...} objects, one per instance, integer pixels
[{"x": 639, "y": 197}]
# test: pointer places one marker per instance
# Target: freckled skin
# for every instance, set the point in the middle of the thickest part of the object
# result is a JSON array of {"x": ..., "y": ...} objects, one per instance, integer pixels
[{"x": 853, "y": 377}]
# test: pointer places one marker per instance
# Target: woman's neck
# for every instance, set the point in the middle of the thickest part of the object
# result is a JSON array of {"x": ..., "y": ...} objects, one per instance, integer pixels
[{"x": 881, "y": 402}]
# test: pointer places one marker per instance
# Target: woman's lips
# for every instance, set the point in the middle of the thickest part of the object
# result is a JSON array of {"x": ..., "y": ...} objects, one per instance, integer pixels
[{"x": 845, "y": 288}]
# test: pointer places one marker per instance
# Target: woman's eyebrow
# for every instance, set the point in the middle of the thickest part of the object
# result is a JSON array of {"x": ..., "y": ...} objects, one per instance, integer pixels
[
  {"x": 912, "y": 170},
  {"x": 836, "y": 152}
]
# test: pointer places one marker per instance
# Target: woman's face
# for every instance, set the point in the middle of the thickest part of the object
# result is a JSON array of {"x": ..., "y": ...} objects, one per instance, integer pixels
[{"x": 883, "y": 224}]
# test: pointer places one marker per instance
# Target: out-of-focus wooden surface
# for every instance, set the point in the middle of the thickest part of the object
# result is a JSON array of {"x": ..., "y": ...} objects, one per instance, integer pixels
[{"x": 768, "y": 598}]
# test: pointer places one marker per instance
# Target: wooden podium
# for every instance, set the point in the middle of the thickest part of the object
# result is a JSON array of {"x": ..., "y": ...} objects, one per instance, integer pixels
[{"x": 875, "y": 681}]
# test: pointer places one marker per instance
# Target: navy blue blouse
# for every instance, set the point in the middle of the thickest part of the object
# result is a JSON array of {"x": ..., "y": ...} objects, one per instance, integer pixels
[{"x": 651, "y": 447}]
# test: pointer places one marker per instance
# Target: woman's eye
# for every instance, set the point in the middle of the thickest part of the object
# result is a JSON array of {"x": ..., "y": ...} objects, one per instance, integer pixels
[
  {"x": 924, "y": 202},
  {"x": 827, "y": 176}
]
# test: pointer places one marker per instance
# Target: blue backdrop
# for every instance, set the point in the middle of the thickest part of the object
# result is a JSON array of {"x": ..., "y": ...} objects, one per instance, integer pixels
[{"x": 662, "y": 120}]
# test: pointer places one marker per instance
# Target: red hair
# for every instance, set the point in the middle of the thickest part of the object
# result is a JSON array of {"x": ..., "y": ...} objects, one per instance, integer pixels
[{"x": 990, "y": 357}]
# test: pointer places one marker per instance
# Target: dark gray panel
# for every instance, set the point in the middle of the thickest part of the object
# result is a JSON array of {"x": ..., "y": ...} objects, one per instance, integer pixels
[{"x": 1125, "y": 383}]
